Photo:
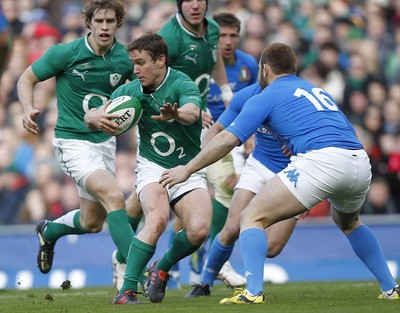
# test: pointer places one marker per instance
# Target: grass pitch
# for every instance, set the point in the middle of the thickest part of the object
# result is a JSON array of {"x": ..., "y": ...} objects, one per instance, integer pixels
[{"x": 318, "y": 297}]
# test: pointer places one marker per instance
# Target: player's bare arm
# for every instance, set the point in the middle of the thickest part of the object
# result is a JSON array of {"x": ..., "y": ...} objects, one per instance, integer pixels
[
  {"x": 25, "y": 86},
  {"x": 219, "y": 75},
  {"x": 215, "y": 129}
]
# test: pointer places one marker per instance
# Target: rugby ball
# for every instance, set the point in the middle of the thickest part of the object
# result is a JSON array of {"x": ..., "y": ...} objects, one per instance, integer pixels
[{"x": 129, "y": 110}]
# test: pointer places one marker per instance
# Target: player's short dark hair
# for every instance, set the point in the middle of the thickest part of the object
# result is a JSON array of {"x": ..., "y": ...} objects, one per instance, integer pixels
[
  {"x": 280, "y": 57},
  {"x": 227, "y": 20},
  {"x": 95, "y": 5},
  {"x": 153, "y": 43}
]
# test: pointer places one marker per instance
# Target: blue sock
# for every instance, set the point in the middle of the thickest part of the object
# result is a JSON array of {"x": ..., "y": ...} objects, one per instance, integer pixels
[
  {"x": 217, "y": 256},
  {"x": 368, "y": 249},
  {"x": 254, "y": 247}
]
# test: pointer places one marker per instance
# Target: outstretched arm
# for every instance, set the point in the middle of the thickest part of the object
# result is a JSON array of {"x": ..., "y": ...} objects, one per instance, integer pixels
[
  {"x": 217, "y": 148},
  {"x": 186, "y": 115}
]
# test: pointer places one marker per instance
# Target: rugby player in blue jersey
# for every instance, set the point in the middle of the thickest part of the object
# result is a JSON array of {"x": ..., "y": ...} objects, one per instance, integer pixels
[
  {"x": 265, "y": 161},
  {"x": 328, "y": 163}
]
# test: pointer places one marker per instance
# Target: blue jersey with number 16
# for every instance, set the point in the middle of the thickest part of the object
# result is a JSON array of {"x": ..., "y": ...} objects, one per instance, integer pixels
[{"x": 299, "y": 114}]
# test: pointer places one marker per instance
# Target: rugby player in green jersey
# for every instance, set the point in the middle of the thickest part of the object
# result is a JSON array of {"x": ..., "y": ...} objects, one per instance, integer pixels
[
  {"x": 192, "y": 41},
  {"x": 169, "y": 132},
  {"x": 87, "y": 70}
]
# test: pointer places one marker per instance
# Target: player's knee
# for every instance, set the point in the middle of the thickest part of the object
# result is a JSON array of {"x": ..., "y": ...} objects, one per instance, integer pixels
[
  {"x": 197, "y": 235},
  {"x": 93, "y": 225},
  {"x": 230, "y": 232},
  {"x": 112, "y": 199},
  {"x": 274, "y": 248},
  {"x": 346, "y": 223},
  {"x": 156, "y": 222}
]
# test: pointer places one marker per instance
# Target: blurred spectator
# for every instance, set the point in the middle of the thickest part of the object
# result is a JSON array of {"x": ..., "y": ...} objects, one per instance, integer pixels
[
  {"x": 377, "y": 93},
  {"x": 357, "y": 107},
  {"x": 253, "y": 45},
  {"x": 71, "y": 19},
  {"x": 42, "y": 36},
  {"x": 274, "y": 16},
  {"x": 13, "y": 189},
  {"x": 11, "y": 11},
  {"x": 288, "y": 34},
  {"x": 329, "y": 74},
  {"x": 357, "y": 79},
  {"x": 373, "y": 121},
  {"x": 5, "y": 40},
  {"x": 392, "y": 65},
  {"x": 379, "y": 199},
  {"x": 391, "y": 116}
]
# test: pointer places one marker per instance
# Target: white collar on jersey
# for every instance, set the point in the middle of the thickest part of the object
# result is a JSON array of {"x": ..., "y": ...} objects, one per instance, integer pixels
[{"x": 90, "y": 48}]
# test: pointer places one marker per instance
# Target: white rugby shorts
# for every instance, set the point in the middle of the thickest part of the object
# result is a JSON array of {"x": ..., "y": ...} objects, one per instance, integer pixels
[
  {"x": 254, "y": 175},
  {"x": 148, "y": 172},
  {"x": 339, "y": 175},
  {"x": 79, "y": 158}
]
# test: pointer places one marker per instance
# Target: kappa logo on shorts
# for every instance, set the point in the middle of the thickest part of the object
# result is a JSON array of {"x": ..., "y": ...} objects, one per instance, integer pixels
[{"x": 292, "y": 175}]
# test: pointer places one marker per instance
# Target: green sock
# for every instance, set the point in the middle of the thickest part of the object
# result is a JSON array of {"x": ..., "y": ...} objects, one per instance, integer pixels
[
  {"x": 120, "y": 231},
  {"x": 180, "y": 248},
  {"x": 134, "y": 222},
  {"x": 140, "y": 254},
  {"x": 67, "y": 224},
  {"x": 219, "y": 216}
]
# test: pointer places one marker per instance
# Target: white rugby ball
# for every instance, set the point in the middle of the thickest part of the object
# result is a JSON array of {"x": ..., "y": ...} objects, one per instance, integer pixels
[{"x": 129, "y": 110}]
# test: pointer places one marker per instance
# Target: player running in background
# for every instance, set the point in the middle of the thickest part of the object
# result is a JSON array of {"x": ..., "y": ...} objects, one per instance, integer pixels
[
  {"x": 328, "y": 162},
  {"x": 87, "y": 71},
  {"x": 169, "y": 135},
  {"x": 241, "y": 69}
]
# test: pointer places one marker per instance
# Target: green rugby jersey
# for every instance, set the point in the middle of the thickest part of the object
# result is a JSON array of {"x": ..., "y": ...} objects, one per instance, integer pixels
[
  {"x": 195, "y": 56},
  {"x": 84, "y": 81},
  {"x": 170, "y": 143}
]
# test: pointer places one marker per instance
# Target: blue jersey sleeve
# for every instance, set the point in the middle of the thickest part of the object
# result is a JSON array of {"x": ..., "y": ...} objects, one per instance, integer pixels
[
  {"x": 237, "y": 102},
  {"x": 253, "y": 114}
]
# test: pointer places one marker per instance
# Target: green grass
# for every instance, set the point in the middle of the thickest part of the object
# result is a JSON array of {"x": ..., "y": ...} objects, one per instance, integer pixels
[{"x": 338, "y": 297}]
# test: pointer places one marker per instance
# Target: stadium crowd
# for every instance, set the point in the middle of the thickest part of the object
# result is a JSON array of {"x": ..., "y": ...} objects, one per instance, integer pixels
[{"x": 349, "y": 48}]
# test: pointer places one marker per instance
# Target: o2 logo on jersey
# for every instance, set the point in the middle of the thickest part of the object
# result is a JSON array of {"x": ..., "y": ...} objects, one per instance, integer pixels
[
  {"x": 319, "y": 98},
  {"x": 171, "y": 143}
]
